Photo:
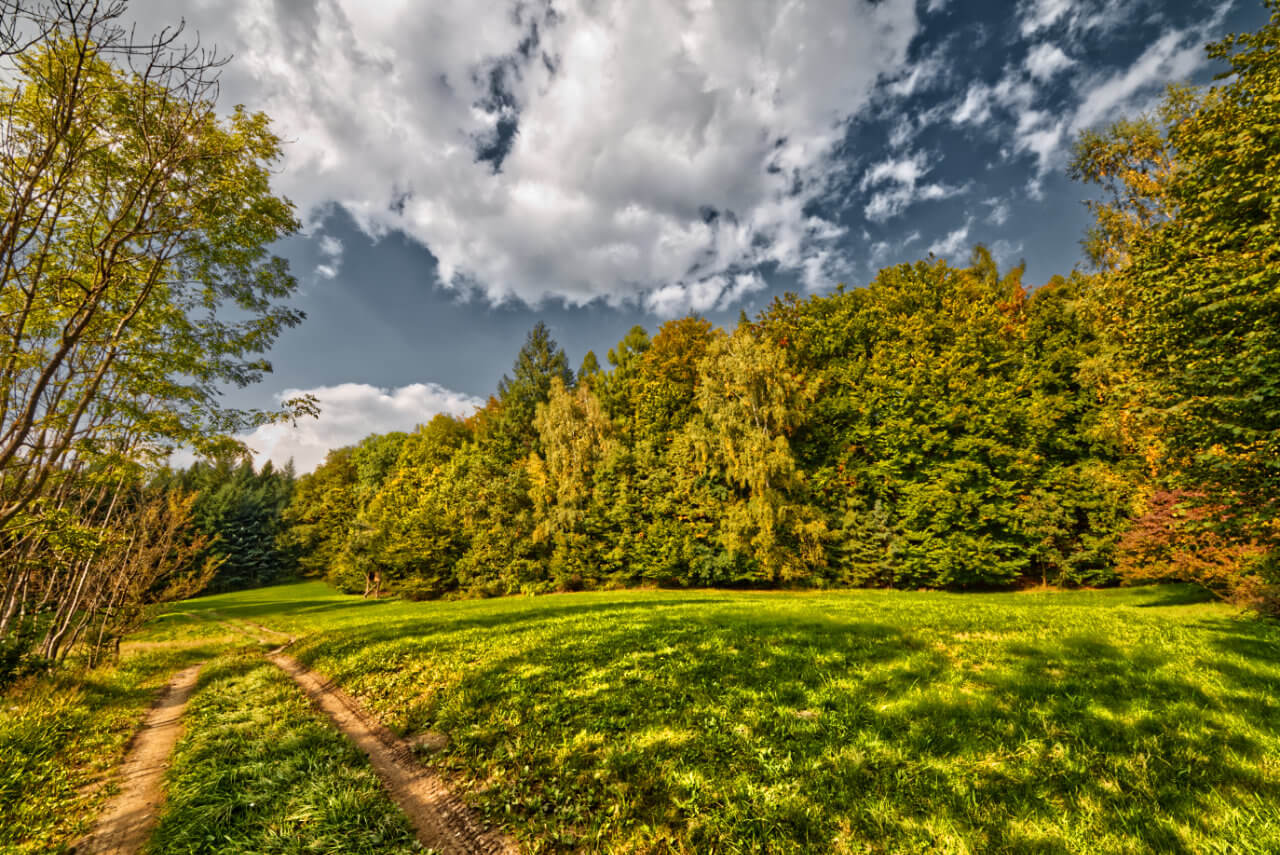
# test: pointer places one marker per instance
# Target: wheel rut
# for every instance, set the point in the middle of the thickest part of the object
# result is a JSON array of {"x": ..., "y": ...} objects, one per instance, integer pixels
[
  {"x": 128, "y": 817},
  {"x": 441, "y": 820}
]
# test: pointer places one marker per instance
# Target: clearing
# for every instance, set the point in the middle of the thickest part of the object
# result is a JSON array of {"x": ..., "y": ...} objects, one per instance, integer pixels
[{"x": 1128, "y": 720}]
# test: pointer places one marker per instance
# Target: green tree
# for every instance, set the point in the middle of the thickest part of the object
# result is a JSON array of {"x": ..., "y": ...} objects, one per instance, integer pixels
[
  {"x": 1203, "y": 281},
  {"x": 241, "y": 511},
  {"x": 539, "y": 362},
  {"x": 750, "y": 400},
  {"x": 619, "y": 392},
  {"x": 318, "y": 521},
  {"x": 136, "y": 276},
  {"x": 576, "y": 437},
  {"x": 419, "y": 533}
]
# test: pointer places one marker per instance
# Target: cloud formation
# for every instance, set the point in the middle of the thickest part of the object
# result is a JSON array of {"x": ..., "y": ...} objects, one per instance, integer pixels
[
  {"x": 348, "y": 413},
  {"x": 578, "y": 150},
  {"x": 897, "y": 184}
]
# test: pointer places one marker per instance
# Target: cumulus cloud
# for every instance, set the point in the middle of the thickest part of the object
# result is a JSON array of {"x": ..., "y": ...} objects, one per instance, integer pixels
[
  {"x": 579, "y": 150},
  {"x": 348, "y": 413},
  {"x": 1046, "y": 60}
]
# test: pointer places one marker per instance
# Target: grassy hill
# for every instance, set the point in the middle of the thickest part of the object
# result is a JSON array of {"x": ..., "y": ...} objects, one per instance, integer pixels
[{"x": 1130, "y": 720}]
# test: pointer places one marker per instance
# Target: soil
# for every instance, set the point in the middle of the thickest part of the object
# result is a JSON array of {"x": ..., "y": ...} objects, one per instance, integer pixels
[
  {"x": 442, "y": 821},
  {"x": 127, "y": 819}
]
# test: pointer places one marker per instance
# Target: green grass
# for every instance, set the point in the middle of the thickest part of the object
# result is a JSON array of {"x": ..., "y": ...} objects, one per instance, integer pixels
[
  {"x": 1133, "y": 720},
  {"x": 258, "y": 771},
  {"x": 61, "y": 734}
]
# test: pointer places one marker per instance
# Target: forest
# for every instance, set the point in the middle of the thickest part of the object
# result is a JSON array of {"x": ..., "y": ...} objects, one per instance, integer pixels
[{"x": 942, "y": 426}]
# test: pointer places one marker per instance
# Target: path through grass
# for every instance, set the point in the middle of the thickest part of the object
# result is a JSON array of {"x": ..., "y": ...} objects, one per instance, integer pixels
[
  {"x": 1117, "y": 721},
  {"x": 62, "y": 735},
  {"x": 260, "y": 772}
]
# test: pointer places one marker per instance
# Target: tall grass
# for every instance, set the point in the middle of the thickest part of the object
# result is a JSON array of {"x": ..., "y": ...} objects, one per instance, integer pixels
[{"x": 62, "y": 734}]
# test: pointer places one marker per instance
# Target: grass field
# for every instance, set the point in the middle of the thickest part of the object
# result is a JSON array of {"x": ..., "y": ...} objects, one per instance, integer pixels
[{"x": 1138, "y": 720}]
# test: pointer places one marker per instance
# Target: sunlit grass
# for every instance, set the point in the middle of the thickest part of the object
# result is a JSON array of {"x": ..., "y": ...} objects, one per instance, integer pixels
[
  {"x": 61, "y": 735},
  {"x": 1132, "y": 720},
  {"x": 259, "y": 771}
]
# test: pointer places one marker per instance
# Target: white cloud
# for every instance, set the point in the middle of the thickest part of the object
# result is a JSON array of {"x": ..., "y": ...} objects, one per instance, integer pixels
[
  {"x": 1077, "y": 17},
  {"x": 1037, "y": 15},
  {"x": 1045, "y": 60},
  {"x": 348, "y": 413},
  {"x": 743, "y": 285},
  {"x": 999, "y": 210},
  {"x": 900, "y": 180},
  {"x": 919, "y": 75},
  {"x": 954, "y": 243},
  {"x": 1006, "y": 253},
  {"x": 1174, "y": 56},
  {"x": 1044, "y": 128},
  {"x": 331, "y": 250},
  {"x": 632, "y": 122}
]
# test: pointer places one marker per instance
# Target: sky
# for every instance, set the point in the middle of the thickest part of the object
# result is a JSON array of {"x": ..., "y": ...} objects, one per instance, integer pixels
[{"x": 465, "y": 169}]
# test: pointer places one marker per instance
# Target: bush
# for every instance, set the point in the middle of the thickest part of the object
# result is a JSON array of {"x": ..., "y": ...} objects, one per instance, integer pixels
[{"x": 1173, "y": 540}]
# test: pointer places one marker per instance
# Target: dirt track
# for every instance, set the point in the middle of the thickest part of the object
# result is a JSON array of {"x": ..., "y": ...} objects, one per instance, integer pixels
[
  {"x": 128, "y": 817},
  {"x": 442, "y": 821}
]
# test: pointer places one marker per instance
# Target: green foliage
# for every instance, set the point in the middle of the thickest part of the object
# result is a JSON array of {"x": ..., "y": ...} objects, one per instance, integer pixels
[
  {"x": 953, "y": 430},
  {"x": 241, "y": 510},
  {"x": 934, "y": 429},
  {"x": 1189, "y": 236},
  {"x": 1208, "y": 280},
  {"x": 1131, "y": 720},
  {"x": 319, "y": 518},
  {"x": 749, "y": 401},
  {"x": 539, "y": 362}
]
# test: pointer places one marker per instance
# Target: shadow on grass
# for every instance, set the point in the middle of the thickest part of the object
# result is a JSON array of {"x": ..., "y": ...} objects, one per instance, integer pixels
[
  {"x": 659, "y": 726},
  {"x": 1178, "y": 595}
]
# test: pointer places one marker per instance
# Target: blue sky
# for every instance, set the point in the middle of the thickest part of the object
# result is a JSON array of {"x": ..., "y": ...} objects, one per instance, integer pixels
[{"x": 468, "y": 168}]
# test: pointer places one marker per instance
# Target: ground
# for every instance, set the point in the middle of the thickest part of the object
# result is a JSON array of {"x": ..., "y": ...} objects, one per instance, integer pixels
[{"x": 1130, "y": 720}]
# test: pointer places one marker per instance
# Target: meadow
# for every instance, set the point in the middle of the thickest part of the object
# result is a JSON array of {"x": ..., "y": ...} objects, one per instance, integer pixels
[{"x": 1125, "y": 720}]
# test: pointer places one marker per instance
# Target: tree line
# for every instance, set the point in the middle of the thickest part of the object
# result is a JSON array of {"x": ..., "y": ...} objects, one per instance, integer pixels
[
  {"x": 945, "y": 426},
  {"x": 942, "y": 427}
]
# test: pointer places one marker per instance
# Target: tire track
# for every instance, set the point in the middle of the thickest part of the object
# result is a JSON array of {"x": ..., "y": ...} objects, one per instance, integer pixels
[
  {"x": 128, "y": 817},
  {"x": 442, "y": 821}
]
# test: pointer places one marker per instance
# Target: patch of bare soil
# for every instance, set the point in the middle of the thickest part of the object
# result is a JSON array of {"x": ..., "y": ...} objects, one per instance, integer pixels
[
  {"x": 127, "y": 818},
  {"x": 443, "y": 822}
]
